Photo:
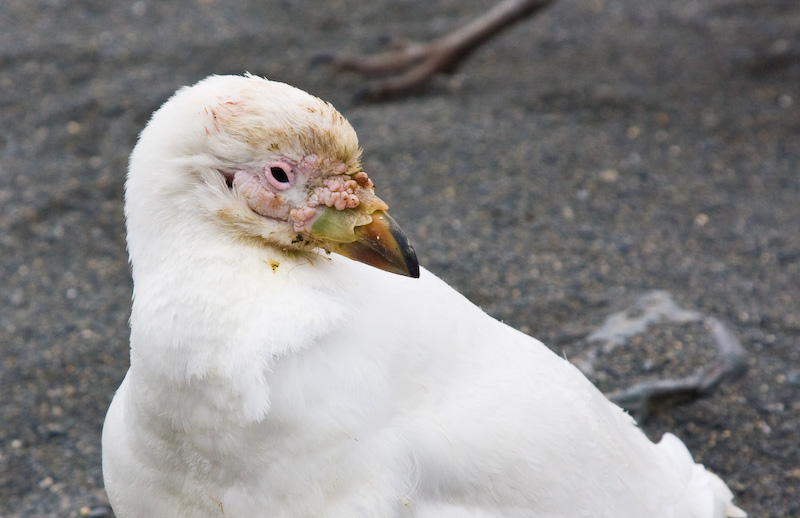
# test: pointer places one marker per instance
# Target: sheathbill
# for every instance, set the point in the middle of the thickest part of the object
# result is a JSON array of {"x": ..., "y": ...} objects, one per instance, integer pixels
[{"x": 289, "y": 358}]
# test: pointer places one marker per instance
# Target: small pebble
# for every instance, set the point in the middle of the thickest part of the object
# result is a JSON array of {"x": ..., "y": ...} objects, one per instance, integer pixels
[
  {"x": 98, "y": 511},
  {"x": 609, "y": 175}
]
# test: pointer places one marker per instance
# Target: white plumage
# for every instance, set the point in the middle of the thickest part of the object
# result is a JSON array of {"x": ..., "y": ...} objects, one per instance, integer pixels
[{"x": 269, "y": 378}]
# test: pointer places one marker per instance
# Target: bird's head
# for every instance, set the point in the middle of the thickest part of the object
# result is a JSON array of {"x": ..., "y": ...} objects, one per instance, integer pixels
[{"x": 266, "y": 163}]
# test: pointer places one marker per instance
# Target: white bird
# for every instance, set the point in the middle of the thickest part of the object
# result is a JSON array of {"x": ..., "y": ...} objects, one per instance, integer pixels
[{"x": 270, "y": 378}]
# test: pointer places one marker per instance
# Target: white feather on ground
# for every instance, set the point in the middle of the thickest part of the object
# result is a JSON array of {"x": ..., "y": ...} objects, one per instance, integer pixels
[{"x": 269, "y": 378}]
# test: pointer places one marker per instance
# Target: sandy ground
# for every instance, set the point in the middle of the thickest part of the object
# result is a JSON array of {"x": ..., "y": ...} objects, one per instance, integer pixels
[{"x": 603, "y": 150}]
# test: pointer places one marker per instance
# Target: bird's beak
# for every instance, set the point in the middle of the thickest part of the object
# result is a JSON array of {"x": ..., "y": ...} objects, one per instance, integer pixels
[{"x": 374, "y": 239}]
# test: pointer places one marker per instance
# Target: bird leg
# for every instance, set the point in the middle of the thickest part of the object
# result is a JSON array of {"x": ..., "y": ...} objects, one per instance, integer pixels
[
  {"x": 409, "y": 65},
  {"x": 643, "y": 398}
]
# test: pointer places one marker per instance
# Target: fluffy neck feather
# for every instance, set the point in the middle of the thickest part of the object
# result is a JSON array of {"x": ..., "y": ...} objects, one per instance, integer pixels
[{"x": 211, "y": 314}]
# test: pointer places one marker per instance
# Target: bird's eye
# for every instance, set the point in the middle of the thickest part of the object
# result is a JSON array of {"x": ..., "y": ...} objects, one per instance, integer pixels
[{"x": 279, "y": 175}]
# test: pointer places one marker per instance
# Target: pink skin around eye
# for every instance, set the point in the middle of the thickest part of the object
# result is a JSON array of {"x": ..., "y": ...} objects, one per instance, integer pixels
[{"x": 286, "y": 168}]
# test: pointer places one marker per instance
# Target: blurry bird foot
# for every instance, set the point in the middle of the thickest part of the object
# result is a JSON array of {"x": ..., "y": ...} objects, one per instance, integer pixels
[
  {"x": 657, "y": 307},
  {"x": 409, "y": 66},
  {"x": 643, "y": 399}
]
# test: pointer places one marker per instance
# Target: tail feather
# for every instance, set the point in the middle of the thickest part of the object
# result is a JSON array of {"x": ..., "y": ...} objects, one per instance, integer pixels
[{"x": 707, "y": 494}]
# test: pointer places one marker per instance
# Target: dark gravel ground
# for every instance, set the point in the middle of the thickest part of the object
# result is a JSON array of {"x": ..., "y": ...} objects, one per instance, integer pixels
[{"x": 601, "y": 150}]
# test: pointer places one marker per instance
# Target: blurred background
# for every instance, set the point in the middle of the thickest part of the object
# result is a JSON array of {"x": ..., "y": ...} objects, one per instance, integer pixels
[{"x": 599, "y": 151}]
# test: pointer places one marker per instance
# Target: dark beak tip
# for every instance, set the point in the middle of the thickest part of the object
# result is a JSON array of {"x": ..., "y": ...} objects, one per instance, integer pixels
[{"x": 412, "y": 263}]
